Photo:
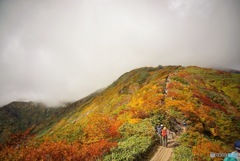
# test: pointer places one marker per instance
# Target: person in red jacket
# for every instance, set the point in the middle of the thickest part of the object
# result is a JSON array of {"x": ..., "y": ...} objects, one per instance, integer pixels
[{"x": 164, "y": 136}]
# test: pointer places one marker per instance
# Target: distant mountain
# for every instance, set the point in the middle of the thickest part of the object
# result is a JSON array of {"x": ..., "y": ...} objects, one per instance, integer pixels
[
  {"x": 117, "y": 123},
  {"x": 18, "y": 116},
  {"x": 228, "y": 70}
]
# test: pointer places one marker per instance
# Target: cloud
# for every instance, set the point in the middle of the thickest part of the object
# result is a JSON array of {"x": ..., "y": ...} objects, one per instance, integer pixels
[
  {"x": 55, "y": 51},
  {"x": 193, "y": 7}
]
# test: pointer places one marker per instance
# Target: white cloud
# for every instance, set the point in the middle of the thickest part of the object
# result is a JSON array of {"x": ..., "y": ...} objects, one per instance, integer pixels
[
  {"x": 61, "y": 51},
  {"x": 193, "y": 7}
]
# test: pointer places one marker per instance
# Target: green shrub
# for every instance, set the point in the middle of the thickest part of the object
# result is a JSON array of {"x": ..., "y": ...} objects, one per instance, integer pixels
[
  {"x": 179, "y": 79},
  {"x": 143, "y": 77},
  {"x": 182, "y": 153},
  {"x": 217, "y": 98},
  {"x": 143, "y": 128},
  {"x": 137, "y": 140},
  {"x": 130, "y": 149}
]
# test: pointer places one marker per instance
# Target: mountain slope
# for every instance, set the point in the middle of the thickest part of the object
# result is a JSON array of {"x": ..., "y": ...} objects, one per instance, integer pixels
[
  {"x": 19, "y": 116},
  {"x": 135, "y": 95},
  {"x": 117, "y": 123},
  {"x": 208, "y": 100}
]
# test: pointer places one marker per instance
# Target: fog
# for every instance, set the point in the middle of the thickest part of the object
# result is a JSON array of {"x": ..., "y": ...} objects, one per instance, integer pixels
[{"x": 55, "y": 51}]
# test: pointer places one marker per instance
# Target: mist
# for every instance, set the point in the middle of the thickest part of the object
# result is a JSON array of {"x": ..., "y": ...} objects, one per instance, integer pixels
[{"x": 60, "y": 51}]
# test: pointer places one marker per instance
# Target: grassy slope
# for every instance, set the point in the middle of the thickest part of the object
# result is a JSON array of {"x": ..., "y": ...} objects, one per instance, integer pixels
[
  {"x": 128, "y": 109},
  {"x": 126, "y": 104},
  {"x": 207, "y": 99},
  {"x": 141, "y": 91}
]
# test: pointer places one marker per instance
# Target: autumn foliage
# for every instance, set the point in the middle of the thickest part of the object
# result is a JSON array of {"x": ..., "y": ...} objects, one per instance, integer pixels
[
  {"x": 49, "y": 150},
  {"x": 117, "y": 123}
]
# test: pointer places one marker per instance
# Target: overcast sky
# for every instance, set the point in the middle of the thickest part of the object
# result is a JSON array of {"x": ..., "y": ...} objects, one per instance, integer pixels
[{"x": 55, "y": 51}]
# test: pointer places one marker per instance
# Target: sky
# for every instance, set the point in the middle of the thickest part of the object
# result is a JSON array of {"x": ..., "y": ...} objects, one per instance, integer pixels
[{"x": 56, "y": 51}]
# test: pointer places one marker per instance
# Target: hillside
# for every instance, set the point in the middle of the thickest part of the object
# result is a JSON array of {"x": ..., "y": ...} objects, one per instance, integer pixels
[
  {"x": 118, "y": 123},
  {"x": 19, "y": 116}
]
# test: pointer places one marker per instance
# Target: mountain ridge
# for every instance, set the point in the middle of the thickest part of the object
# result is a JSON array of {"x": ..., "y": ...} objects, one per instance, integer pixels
[{"x": 123, "y": 115}]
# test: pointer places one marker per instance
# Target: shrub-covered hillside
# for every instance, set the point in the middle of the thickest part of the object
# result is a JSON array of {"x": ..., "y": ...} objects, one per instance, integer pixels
[
  {"x": 118, "y": 123},
  {"x": 208, "y": 100},
  {"x": 19, "y": 116}
]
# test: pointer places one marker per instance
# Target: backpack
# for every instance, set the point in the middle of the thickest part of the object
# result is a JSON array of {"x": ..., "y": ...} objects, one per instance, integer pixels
[
  {"x": 164, "y": 132},
  {"x": 159, "y": 130},
  {"x": 230, "y": 159}
]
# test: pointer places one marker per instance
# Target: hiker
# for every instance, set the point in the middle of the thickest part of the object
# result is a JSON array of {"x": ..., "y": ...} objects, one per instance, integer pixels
[
  {"x": 159, "y": 132},
  {"x": 184, "y": 126},
  {"x": 164, "y": 136},
  {"x": 235, "y": 155}
]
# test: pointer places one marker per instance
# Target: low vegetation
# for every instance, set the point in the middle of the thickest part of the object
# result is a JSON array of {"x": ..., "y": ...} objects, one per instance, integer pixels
[{"x": 118, "y": 123}]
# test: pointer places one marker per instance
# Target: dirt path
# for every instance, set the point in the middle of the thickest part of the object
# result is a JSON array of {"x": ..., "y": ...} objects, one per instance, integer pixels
[{"x": 162, "y": 154}]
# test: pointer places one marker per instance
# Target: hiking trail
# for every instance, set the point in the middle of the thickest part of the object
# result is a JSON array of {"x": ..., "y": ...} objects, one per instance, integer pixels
[{"x": 165, "y": 153}]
